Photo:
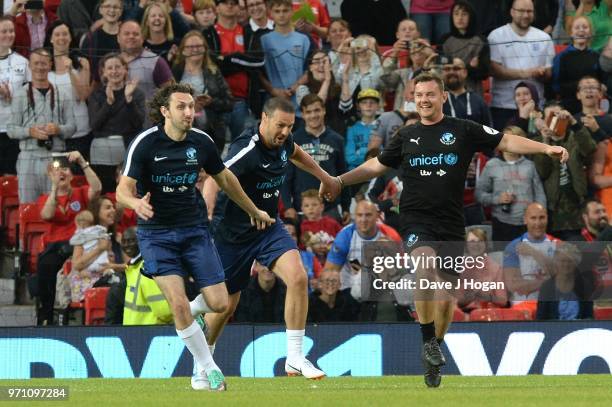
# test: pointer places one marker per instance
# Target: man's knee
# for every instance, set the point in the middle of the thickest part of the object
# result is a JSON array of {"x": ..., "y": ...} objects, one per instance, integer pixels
[{"x": 297, "y": 278}]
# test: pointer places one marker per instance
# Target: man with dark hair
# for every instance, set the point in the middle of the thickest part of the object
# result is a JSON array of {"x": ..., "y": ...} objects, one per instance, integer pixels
[
  {"x": 158, "y": 182},
  {"x": 260, "y": 159},
  {"x": 434, "y": 156},
  {"x": 326, "y": 147}
]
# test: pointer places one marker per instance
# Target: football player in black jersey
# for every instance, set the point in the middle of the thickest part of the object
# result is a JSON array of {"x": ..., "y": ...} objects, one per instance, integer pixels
[{"x": 433, "y": 157}]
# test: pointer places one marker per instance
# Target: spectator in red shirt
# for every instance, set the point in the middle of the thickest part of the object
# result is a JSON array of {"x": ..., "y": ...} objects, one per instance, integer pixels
[
  {"x": 59, "y": 208},
  {"x": 312, "y": 207},
  {"x": 31, "y": 24}
]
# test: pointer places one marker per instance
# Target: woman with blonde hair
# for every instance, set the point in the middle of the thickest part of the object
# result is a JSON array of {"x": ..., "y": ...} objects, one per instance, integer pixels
[
  {"x": 157, "y": 31},
  {"x": 194, "y": 66}
]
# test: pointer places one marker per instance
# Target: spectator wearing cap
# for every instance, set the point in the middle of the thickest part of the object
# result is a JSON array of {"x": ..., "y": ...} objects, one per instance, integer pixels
[
  {"x": 358, "y": 135},
  {"x": 527, "y": 102}
]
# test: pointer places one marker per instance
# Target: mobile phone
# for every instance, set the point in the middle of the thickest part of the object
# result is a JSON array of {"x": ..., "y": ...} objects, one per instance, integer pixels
[
  {"x": 359, "y": 43},
  {"x": 59, "y": 160},
  {"x": 34, "y": 5}
]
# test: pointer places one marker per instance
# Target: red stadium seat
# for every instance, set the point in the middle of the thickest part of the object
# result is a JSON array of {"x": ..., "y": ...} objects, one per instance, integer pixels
[
  {"x": 602, "y": 312},
  {"x": 95, "y": 305},
  {"x": 31, "y": 224},
  {"x": 9, "y": 209},
  {"x": 459, "y": 316},
  {"x": 500, "y": 314},
  {"x": 78, "y": 181}
]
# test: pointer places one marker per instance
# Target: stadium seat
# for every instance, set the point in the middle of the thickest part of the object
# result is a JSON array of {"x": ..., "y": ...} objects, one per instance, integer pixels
[
  {"x": 31, "y": 225},
  {"x": 95, "y": 305},
  {"x": 499, "y": 314},
  {"x": 78, "y": 181},
  {"x": 459, "y": 316},
  {"x": 9, "y": 203},
  {"x": 602, "y": 313}
]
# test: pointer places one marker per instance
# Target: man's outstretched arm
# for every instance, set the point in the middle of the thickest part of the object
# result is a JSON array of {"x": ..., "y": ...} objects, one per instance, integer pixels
[
  {"x": 521, "y": 145},
  {"x": 365, "y": 172}
]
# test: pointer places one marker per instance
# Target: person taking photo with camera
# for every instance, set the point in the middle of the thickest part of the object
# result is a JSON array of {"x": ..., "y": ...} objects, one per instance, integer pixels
[{"x": 42, "y": 119}]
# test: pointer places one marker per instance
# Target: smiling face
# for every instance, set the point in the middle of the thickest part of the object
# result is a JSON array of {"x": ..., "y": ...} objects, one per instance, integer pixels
[
  {"x": 455, "y": 74},
  {"x": 276, "y": 128},
  {"x": 115, "y": 72},
  {"x": 7, "y": 34},
  {"x": 536, "y": 221},
  {"x": 256, "y": 9},
  {"x": 193, "y": 47},
  {"x": 106, "y": 214},
  {"x": 111, "y": 10},
  {"x": 581, "y": 31},
  {"x": 62, "y": 174},
  {"x": 40, "y": 65},
  {"x": 129, "y": 37},
  {"x": 314, "y": 115},
  {"x": 429, "y": 99},
  {"x": 338, "y": 32},
  {"x": 156, "y": 21},
  {"x": 329, "y": 282},
  {"x": 60, "y": 38}
]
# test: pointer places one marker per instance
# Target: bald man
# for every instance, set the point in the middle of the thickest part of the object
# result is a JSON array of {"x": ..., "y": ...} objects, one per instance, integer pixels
[
  {"x": 528, "y": 259},
  {"x": 345, "y": 254}
]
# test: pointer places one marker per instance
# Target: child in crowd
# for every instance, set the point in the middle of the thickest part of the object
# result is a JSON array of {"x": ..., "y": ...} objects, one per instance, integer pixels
[
  {"x": 358, "y": 135},
  {"x": 204, "y": 13},
  {"x": 87, "y": 235},
  {"x": 319, "y": 244},
  {"x": 314, "y": 221}
]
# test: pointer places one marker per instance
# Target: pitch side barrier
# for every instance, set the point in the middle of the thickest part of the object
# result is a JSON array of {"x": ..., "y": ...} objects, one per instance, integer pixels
[{"x": 487, "y": 348}]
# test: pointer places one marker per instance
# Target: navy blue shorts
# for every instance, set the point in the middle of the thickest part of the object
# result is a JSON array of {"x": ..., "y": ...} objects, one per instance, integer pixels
[
  {"x": 237, "y": 259},
  {"x": 182, "y": 252},
  {"x": 446, "y": 241}
]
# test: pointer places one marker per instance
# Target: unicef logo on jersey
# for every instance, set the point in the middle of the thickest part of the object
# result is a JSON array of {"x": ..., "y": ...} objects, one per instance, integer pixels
[
  {"x": 284, "y": 155},
  {"x": 447, "y": 139},
  {"x": 438, "y": 159},
  {"x": 411, "y": 240},
  {"x": 451, "y": 158}
]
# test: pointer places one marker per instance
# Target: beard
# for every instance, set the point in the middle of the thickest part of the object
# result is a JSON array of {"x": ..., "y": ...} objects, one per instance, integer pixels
[{"x": 453, "y": 82}]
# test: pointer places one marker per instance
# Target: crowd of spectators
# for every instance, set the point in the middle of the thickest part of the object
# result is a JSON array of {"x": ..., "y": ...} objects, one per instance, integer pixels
[{"x": 76, "y": 76}]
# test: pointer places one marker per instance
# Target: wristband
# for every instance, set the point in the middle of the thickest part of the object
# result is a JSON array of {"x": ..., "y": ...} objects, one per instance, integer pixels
[{"x": 340, "y": 181}]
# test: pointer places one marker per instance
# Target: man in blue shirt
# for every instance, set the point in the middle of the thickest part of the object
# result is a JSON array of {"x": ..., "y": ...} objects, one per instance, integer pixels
[
  {"x": 162, "y": 167},
  {"x": 260, "y": 159}
]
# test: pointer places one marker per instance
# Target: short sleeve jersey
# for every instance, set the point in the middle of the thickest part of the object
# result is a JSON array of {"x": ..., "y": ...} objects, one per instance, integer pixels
[
  {"x": 169, "y": 170},
  {"x": 261, "y": 172},
  {"x": 62, "y": 226},
  {"x": 433, "y": 161}
]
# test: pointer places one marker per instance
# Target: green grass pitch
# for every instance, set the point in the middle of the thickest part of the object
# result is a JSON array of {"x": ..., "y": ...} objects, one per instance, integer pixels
[{"x": 535, "y": 390}]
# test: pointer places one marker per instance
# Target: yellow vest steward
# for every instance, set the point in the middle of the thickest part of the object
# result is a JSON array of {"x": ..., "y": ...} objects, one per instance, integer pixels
[{"x": 144, "y": 302}]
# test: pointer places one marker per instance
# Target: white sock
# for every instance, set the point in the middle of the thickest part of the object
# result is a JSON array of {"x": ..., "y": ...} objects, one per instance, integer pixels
[
  {"x": 295, "y": 337},
  {"x": 199, "y": 306},
  {"x": 196, "y": 343}
]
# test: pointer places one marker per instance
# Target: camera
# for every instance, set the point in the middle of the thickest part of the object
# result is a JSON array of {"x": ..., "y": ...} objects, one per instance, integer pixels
[
  {"x": 34, "y": 5},
  {"x": 48, "y": 144},
  {"x": 359, "y": 43}
]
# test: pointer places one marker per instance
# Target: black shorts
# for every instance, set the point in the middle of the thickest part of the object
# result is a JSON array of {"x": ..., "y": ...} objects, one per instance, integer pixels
[{"x": 444, "y": 240}]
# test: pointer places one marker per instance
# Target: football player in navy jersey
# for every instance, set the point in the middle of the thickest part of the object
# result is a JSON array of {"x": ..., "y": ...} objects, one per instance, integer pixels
[
  {"x": 433, "y": 157},
  {"x": 260, "y": 159},
  {"x": 158, "y": 182}
]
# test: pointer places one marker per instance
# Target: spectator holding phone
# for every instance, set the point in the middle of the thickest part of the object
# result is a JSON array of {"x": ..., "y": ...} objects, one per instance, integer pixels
[
  {"x": 31, "y": 23},
  {"x": 194, "y": 66},
  {"x": 59, "y": 208}
]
